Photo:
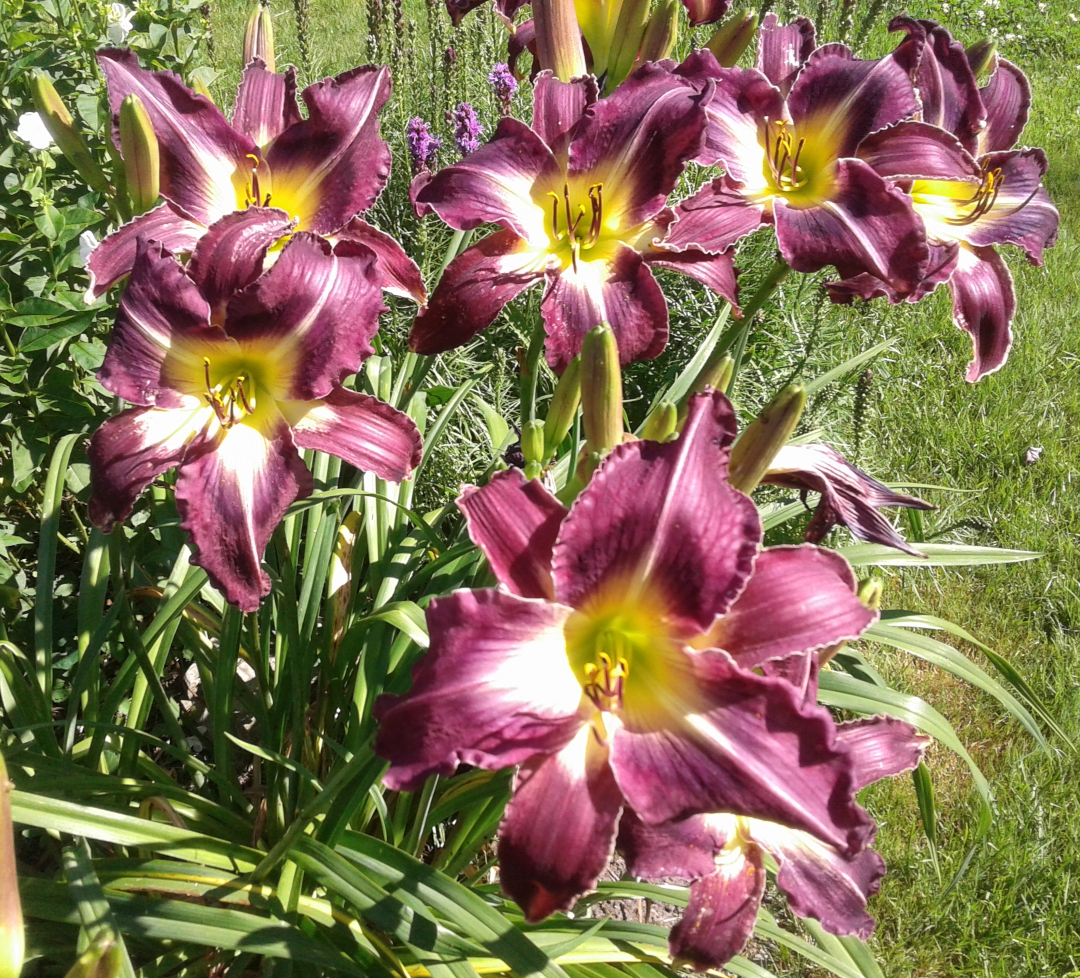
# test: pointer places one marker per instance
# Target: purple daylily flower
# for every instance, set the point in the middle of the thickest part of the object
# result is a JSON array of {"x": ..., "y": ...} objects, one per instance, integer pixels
[
  {"x": 788, "y": 134},
  {"x": 232, "y": 372},
  {"x": 582, "y": 200},
  {"x": 505, "y": 10},
  {"x": 323, "y": 171},
  {"x": 972, "y": 191},
  {"x": 614, "y": 664},
  {"x": 722, "y": 854}
]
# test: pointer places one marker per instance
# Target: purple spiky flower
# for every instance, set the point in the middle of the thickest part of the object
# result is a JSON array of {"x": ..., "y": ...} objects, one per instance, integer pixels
[
  {"x": 502, "y": 80},
  {"x": 423, "y": 145},
  {"x": 467, "y": 128}
]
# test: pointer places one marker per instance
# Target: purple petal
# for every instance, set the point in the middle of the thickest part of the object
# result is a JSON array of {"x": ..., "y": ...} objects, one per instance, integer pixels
[
  {"x": 400, "y": 274},
  {"x": 473, "y": 289},
  {"x": 662, "y": 519},
  {"x": 866, "y": 225},
  {"x": 947, "y": 88},
  {"x": 686, "y": 848},
  {"x": 496, "y": 184},
  {"x": 514, "y": 521},
  {"x": 718, "y": 272},
  {"x": 881, "y": 748},
  {"x": 1007, "y": 97},
  {"x": 558, "y": 105},
  {"x": 318, "y": 306},
  {"x": 939, "y": 268},
  {"x": 200, "y": 152},
  {"x": 332, "y": 165},
  {"x": 162, "y": 318},
  {"x": 799, "y": 671},
  {"x": 722, "y": 911},
  {"x": 849, "y": 496},
  {"x": 983, "y": 305},
  {"x": 112, "y": 259},
  {"x": 620, "y": 291},
  {"x": 362, "y": 430},
  {"x": 494, "y": 689},
  {"x": 916, "y": 150},
  {"x": 522, "y": 39},
  {"x": 132, "y": 449},
  {"x": 457, "y": 9},
  {"x": 637, "y": 142},
  {"x": 783, "y": 49},
  {"x": 558, "y": 832},
  {"x": 739, "y": 743},
  {"x": 715, "y": 218},
  {"x": 798, "y": 599},
  {"x": 705, "y": 11},
  {"x": 265, "y": 103},
  {"x": 229, "y": 256},
  {"x": 850, "y": 98},
  {"x": 231, "y": 494}
]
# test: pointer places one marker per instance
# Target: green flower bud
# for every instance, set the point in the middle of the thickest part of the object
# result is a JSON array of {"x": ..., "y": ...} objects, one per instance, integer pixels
[
  {"x": 764, "y": 437},
  {"x": 662, "y": 422},
  {"x": 626, "y": 41},
  {"x": 61, "y": 127},
  {"x": 12, "y": 941},
  {"x": 982, "y": 56},
  {"x": 601, "y": 391},
  {"x": 102, "y": 959},
  {"x": 199, "y": 87},
  {"x": 870, "y": 593},
  {"x": 661, "y": 33},
  {"x": 733, "y": 37},
  {"x": 563, "y": 407},
  {"x": 139, "y": 146},
  {"x": 532, "y": 442},
  {"x": 259, "y": 37},
  {"x": 558, "y": 38}
]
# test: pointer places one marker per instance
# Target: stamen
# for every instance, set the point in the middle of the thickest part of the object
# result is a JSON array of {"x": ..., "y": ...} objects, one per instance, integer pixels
[
  {"x": 566, "y": 200},
  {"x": 555, "y": 214}
]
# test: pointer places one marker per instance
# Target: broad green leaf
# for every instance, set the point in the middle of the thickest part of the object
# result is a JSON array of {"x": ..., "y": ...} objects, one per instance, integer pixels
[
  {"x": 937, "y": 555},
  {"x": 841, "y": 370}
]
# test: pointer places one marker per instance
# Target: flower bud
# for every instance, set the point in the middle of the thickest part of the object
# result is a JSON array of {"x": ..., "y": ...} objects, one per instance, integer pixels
[
  {"x": 61, "y": 126},
  {"x": 532, "y": 443},
  {"x": 139, "y": 146},
  {"x": 660, "y": 33},
  {"x": 102, "y": 959},
  {"x": 558, "y": 38},
  {"x": 705, "y": 11},
  {"x": 870, "y": 593},
  {"x": 601, "y": 391},
  {"x": 765, "y": 436},
  {"x": 662, "y": 422},
  {"x": 12, "y": 941},
  {"x": 199, "y": 87},
  {"x": 982, "y": 56},
  {"x": 626, "y": 40},
  {"x": 729, "y": 42},
  {"x": 715, "y": 375},
  {"x": 259, "y": 37},
  {"x": 563, "y": 407}
]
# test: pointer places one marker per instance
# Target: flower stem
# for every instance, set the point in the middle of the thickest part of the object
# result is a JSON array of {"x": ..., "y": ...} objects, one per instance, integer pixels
[
  {"x": 735, "y": 337},
  {"x": 530, "y": 371}
]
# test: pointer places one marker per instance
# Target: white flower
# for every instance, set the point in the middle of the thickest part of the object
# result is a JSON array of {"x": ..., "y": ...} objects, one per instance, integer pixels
[
  {"x": 119, "y": 21},
  {"x": 32, "y": 130},
  {"x": 1072, "y": 16},
  {"x": 88, "y": 241}
]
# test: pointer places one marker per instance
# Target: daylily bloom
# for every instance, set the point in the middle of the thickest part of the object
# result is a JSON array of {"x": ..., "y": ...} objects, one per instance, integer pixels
[
  {"x": 233, "y": 372},
  {"x": 788, "y": 134},
  {"x": 582, "y": 199},
  {"x": 613, "y": 663},
  {"x": 972, "y": 191},
  {"x": 849, "y": 497},
  {"x": 322, "y": 171},
  {"x": 31, "y": 129},
  {"x": 722, "y": 854}
]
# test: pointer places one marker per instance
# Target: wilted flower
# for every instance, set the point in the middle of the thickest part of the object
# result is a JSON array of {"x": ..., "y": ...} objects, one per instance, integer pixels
[
  {"x": 423, "y": 145},
  {"x": 32, "y": 130},
  {"x": 467, "y": 128},
  {"x": 119, "y": 23},
  {"x": 502, "y": 80},
  {"x": 614, "y": 664}
]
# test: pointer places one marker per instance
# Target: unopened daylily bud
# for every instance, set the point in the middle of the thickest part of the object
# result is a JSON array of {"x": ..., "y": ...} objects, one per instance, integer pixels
[
  {"x": 662, "y": 422},
  {"x": 532, "y": 442},
  {"x": 139, "y": 146},
  {"x": 733, "y": 37},
  {"x": 661, "y": 33},
  {"x": 61, "y": 126},
  {"x": 626, "y": 41},
  {"x": 601, "y": 391},
  {"x": 340, "y": 577},
  {"x": 558, "y": 38},
  {"x": 870, "y": 593},
  {"x": 982, "y": 56},
  {"x": 764, "y": 437},
  {"x": 199, "y": 87},
  {"x": 259, "y": 37},
  {"x": 563, "y": 407},
  {"x": 715, "y": 375},
  {"x": 102, "y": 959},
  {"x": 12, "y": 941}
]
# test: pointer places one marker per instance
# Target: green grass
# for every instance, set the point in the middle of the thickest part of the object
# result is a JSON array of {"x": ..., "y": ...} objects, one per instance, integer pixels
[{"x": 1013, "y": 914}]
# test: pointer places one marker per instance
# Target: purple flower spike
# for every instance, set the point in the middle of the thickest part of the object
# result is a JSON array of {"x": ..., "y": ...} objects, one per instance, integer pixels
[
  {"x": 616, "y": 661},
  {"x": 467, "y": 128},
  {"x": 423, "y": 145},
  {"x": 502, "y": 80}
]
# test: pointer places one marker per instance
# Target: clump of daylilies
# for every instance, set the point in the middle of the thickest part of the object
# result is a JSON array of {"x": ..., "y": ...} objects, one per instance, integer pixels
[{"x": 647, "y": 665}]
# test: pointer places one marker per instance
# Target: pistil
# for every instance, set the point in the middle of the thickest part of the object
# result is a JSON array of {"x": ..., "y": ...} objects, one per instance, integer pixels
[
  {"x": 573, "y": 221},
  {"x": 230, "y": 402}
]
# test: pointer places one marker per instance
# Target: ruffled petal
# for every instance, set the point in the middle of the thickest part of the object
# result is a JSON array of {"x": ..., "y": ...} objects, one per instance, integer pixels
[
  {"x": 473, "y": 289},
  {"x": 881, "y": 748},
  {"x": 917, "y": 150},
  {"x": 114, "y": 255},
  {"x": 131, "y": 450},
  {"x": 494, "y": 689},
  {"x": 798, "y": 599},
  {"x": 939, "y": 268},
  {"x": 718, "y": 216},
  {"x": 400, "y": 274},
  {"x": 558, "y": 106},
  {"x": 558, "y": 832},
  {"x": 782, "y": 50},
  {"x": 947, "y": 88},
  {"x": 866, "y": 225},
  {"x": 332, "y": 165},
  {"x": 514, "y": 521},
  {"x": 317, "y": 309},
  {"x": 660, "y": 520},
  {"x": 229, "y": 256},
  {"x": 202, "y": 156},
  {"x": 686, "y": 848},
  {"x": 849, "y": 497},
  {"x": 718, "y": 272},
  {"x": 636, "y": 143},
  {"x": 618, "y": 290},
  {"x": 1007, "y": 97},
  {"x": 362, "y": 430},
  {"x": 265, "y": 103},
  {"x": 496, "y": 184},
  {"x": 231, "y": 494},
  {"x": 983, "y": 306}
]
